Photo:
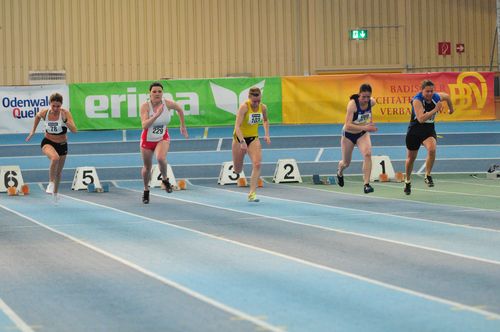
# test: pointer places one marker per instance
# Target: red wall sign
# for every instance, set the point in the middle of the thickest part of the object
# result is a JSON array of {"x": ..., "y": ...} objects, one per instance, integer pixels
[{"x": 444, "y": 48}]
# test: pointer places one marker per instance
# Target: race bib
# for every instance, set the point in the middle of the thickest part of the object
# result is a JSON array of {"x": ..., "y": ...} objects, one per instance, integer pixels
[
  {"x": 52, "y": 127},
  {"x": 254, "y": 118},
  {"x": 155, "y": 133},
  {"x": 364, "y": 118}
]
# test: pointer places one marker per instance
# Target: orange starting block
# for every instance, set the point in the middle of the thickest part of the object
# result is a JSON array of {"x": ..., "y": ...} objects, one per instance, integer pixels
[
  {"x": 181, "y": 184},
  {"x": 25, "y": 189},
  {"x": 383, "y": 177},
  {"x": 12, "y": 191},
  {"x": 242, "y": 182},
  {"x": 399, "y": 176}
]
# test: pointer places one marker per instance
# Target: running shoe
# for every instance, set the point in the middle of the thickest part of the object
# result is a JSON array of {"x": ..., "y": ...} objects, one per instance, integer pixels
[
  {"x": 168, "y": 186},
  {"x": 50, "y": 188},
  {"x": 407, "y": 189},
  {"x": 145, "y": 197},
  {"x": 340, "y": 180},
  {"x": 252, "y": 197},
  {"x": 428, "y": 181},
  {"x": 368, "y": 189}
]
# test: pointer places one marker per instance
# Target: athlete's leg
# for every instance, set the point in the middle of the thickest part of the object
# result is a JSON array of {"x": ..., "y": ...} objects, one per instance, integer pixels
[
  {"x": 147, "y": 158},
  {"x": 365, "y": 147},
  {"x": 161, "y": 151},
  {"x": 430, "y": 144},
  {"x": 347, "y": 147},
  {"x": 255, "y": 154},
  {"x": 411, "y": 155},
  {"x": 238, "y": 156},
  {"x": 54, "y": 158},
  {"x": 60, "y": 166}
]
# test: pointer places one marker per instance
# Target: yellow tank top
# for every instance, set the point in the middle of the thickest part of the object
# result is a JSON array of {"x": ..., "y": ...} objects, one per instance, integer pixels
[{"x": 250, "y": 125}]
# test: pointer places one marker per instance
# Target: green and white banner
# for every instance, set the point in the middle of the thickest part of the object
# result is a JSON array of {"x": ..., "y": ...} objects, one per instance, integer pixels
[{"x": 206, "y": 102}]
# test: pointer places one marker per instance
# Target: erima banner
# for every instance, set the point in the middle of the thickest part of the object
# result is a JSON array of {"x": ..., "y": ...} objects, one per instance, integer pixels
[
  {"x": 20, "y": 104},
  {"x": 323, "y": 99},
  {"x": 206, "y": 102}
]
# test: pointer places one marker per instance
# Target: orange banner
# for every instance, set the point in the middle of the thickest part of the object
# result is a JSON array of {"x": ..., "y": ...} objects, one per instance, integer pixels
[{"x": 323, "y": 99}]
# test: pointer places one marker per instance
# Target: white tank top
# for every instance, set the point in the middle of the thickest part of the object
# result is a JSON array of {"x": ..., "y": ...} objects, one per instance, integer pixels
[{"x": 158, "y": 128}]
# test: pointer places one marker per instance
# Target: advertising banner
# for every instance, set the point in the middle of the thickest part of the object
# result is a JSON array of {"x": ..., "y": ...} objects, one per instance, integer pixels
[
  {"x": 323, "y": 99},
  {"x": 20, "y": 104},
  {"x": 206, "y": 102}
]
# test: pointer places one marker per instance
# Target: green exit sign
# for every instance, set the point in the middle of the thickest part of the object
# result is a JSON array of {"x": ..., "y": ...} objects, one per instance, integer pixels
[{"x": 358, "y": 34}]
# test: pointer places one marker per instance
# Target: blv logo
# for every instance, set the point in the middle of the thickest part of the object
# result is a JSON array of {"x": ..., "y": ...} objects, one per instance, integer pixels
[
  {"x": 104, "y": 106},
  {"x": 228, "y": 101}
]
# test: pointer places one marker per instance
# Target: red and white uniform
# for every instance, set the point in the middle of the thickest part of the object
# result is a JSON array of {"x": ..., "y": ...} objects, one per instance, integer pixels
[{"x": 158, "y": 130}]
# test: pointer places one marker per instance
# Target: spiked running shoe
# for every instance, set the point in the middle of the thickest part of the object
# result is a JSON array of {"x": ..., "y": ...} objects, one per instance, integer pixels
[
  {"x": 407, "y": 189},
  {"x": 428, "y": 181},
  {"x": 340, "y": 180},
  {"x": 168, "y": 186},
  {"x": 368, "y": 189},
  {"x": 145, "y": 197},
  {"x": 252, "y": 197}
]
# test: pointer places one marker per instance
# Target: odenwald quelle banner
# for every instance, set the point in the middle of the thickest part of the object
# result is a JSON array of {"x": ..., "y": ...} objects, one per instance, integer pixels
[
  {"x": 323, "y": 99},
  {"x": 20, "y": 104},
  {"x": 206, "y": 102}
]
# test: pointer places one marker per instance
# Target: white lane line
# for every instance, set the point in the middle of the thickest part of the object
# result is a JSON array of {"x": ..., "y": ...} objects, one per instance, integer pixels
[
  {"x": 421, "y": 169},
  {"x": 457, "y": 305},
  {"x": 219, "y": 145},
  {"x": 318, "y": 156},
  {"x": 20, "y": 324},
  {"x": 261, "y": 324}
]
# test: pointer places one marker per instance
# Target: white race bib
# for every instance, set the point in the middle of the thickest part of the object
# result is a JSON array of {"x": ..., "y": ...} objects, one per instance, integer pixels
[{"x": 254, "y": 118}]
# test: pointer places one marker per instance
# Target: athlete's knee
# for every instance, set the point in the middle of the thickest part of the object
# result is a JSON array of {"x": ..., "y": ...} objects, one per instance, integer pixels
[
  {"x": 367, "y": 154},
  {"x": 161, "y": 159},
  {"x": 257, "y": 164},
  {"x": 432, "y": 151},
  {"x": 55, "y": 158},
  {"x": 345, "y": 164}
]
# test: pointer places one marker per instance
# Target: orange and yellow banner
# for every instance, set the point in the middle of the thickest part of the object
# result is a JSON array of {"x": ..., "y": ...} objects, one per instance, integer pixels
[{"x": 323, "y": 99}]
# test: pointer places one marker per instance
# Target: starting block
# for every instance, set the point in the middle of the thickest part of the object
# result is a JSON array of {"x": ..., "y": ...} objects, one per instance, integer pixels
[
  {"x": 381, "y": 165},
  {"x": 156, "y": 177},
  {"x": 104, "y": 188},
  {"x": 12, "y": 191},
  {"x": 287, "y": 170},
  {"x": 242, "y": 182},
  {"x": 10, "y": 176},
  {"x": 399, "y": 177},
  {"x": 383, "y": 177},
  {"x": 25, "y": 189},
  {"x": 84, "y": 177},
  {"x": 327, "y": 180},
  {"x": 181, "y": 184},
  {"x": 227, "y": 175},
  {"x": 260, "y": 183}
]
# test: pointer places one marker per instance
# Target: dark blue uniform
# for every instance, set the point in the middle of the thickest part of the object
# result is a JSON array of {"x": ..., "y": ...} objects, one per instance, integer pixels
[{"x": 419, "y": 132}]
